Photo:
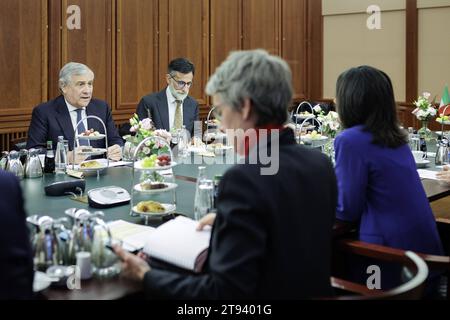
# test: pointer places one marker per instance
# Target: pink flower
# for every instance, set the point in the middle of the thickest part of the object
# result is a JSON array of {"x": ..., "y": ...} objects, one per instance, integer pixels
[{"x": 147, "y": 124}]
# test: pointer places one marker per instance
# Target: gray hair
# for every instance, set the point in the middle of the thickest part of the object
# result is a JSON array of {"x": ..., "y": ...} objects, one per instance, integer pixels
[
  {"x": 255, "y": 74},
  {"x": 72, "y": 69}
]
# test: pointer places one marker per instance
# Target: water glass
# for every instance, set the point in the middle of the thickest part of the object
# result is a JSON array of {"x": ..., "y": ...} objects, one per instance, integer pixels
[
  {"x": 204, "y": 198},
  {"x": 414, "y": 142}
]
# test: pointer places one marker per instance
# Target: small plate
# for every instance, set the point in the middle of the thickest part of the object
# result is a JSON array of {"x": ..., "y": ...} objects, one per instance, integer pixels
[
  {"x": 423, "y": 163},
  {"x": 447, "y": 122},
  {"x": 102, "y": 162},
  {"x": 170, "y": 208},
  {"x": 97, "y": 137},
  {"x": 310, "y": 140},
  {"x": 138, "y": 165},
  {"x": 304, "y": 116},
  {"x": 170, "y": 186},
  {"x": 94, "y": 152}
]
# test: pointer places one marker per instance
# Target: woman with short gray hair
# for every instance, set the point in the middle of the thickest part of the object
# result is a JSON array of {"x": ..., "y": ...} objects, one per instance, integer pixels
[
  {"x": 265, "y": 79},
  {"x": 263, "y": 245}
]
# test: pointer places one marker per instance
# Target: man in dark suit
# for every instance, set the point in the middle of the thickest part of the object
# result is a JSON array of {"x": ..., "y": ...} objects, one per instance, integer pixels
[
  {"x": 60, "y": 116},
  {"x": 271, "y": 238},
  {"x": 172, "y": 108},
  {"x": 16, "y": 263}
]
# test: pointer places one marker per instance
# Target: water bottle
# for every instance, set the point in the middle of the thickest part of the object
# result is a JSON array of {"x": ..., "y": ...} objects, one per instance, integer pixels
[
  {"x": 61, "y": 156},
  {"x": 49, "y": 162},
  {"x": 204, "y": 195},
  {"x": 423, "y": 146}
]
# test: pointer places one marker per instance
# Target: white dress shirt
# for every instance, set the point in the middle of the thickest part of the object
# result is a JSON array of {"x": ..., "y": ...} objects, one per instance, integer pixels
[
  {"x": 73, "y": 115},
  {"x": 172, "y": 105}
]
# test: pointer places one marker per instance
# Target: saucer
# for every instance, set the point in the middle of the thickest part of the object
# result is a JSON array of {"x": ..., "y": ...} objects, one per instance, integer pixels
[{"x": 422, "y": 163}]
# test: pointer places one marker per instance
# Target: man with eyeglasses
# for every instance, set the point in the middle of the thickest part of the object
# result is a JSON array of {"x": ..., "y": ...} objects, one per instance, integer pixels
[{"x": 172, "y": 108}]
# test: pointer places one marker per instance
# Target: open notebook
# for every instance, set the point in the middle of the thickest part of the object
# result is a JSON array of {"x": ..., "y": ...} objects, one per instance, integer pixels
[{"x": 179, "y": 243}]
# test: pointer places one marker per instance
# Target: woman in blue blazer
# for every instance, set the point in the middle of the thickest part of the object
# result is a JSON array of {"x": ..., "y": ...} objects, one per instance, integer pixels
[{"x": 378, "y": 183}]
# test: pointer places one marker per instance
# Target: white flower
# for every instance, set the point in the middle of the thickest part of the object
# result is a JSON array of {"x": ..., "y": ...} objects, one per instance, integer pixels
[
  {"x": 426, "y": 95},
  {"x": 317, "y": 108}
]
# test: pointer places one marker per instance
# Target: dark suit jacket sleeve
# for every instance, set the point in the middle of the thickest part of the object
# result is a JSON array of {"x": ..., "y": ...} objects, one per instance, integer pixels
[
  {"x": 113, "y": 134},
  {"x": 37, "y": 132},
  {"x": 142, "y": 109},
  {"x": 236, "y": 251},
  {"x": 16, "y": 266}
]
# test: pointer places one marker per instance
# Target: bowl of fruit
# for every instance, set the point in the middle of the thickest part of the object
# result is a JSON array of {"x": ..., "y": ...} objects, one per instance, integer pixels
[
  {"x": 155, "y": 162},
  {"x": 443, "y": 120}
]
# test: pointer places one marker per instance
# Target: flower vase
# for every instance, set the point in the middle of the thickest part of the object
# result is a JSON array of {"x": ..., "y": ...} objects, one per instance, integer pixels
[
  {"x": 328, "y": 149},
  {"x": 424, "y": 131}
]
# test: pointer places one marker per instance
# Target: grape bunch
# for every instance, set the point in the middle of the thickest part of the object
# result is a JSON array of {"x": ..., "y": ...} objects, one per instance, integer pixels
[{"x": 164, "y": 160}]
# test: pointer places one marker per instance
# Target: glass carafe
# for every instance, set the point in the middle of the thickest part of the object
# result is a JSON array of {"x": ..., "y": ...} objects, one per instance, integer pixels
[
  {"x": 4, "y": 160},
  {"x": 33, "y": 166},
  {"x": 442, "y": 153},
  {"x": 14, "y": 165},
  {"x": 48, "y": 248},
  {"x": 104, "y": 261}
]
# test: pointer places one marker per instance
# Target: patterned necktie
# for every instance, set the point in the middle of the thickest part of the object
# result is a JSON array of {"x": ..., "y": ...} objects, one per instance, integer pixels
[
  {"x": 81, "y": 128},
  {"x": 178, "y": 121}
]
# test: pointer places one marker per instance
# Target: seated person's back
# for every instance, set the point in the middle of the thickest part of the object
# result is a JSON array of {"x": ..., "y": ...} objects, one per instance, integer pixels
[{"x": 16, "y": 264}]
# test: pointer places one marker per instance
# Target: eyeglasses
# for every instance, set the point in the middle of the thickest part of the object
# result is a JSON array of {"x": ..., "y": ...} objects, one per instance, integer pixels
[
  {"x": 181, "y": 84},
  {"x": 217, "y": 112}
]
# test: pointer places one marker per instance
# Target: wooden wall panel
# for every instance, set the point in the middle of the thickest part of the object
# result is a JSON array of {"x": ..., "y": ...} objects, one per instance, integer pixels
[
  {"x": 261, "y": 25},
  {"x": 226, "y": 30},
  {"x": 293, "y": 44},
  {"x": 188, "y": 36},
  {"x": 23, "y": 55},
  {"x": 137, "y": 54},
  {"x": 92, "y": 44}
]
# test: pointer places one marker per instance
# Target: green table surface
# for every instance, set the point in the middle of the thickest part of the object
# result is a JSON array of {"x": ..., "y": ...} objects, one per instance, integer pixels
[{"x": 36, "y": 202}]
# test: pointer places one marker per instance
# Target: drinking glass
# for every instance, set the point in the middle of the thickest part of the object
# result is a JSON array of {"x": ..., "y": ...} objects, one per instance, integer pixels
[{"x": 204, "y": 198}]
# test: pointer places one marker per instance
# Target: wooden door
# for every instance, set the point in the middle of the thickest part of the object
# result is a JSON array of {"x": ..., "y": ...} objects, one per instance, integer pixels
[{"x": 137, "y": 52}]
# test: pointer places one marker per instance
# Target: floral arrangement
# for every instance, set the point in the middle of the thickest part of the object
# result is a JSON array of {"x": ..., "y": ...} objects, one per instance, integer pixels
[
  {"x": 330, "y": 123},
  {"x": 424, "y": 110},
  {"x": 142, "y": 129}
]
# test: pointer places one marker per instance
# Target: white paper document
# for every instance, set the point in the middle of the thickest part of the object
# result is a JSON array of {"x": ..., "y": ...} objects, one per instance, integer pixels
[
  {"x": 178, "y": 242},
  {"x": 427, "y": 174},
  {"x": 133, "y": 236}
]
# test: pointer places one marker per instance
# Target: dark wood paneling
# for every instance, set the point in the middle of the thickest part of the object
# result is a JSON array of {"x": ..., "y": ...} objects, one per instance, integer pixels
[
  {"x": 261, "y": 25},
  {"x": 54, "y": 46},
  {"x": 92, "y": 44},
  {"x": 226, "y": 30},
  {"x": 314, "y": 46},
  {"x": 188, "y": 36},
  {"x": 23, "y": 55},
  {"x": 293, "y": 45},
  {"x": 137, "y": 54}
]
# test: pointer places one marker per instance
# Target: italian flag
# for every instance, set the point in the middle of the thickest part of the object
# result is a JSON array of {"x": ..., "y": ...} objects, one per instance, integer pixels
[{"x": 445, "y": 102}]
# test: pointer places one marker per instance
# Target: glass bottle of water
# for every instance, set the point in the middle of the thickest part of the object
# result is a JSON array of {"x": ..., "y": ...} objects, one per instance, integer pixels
[
  {"x": 204, "y": 195},
  {"x": 61, "y": 156}
]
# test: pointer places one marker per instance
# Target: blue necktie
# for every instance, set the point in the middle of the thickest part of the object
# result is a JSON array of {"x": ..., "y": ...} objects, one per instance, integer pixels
[{"x": 81, "y": 128}]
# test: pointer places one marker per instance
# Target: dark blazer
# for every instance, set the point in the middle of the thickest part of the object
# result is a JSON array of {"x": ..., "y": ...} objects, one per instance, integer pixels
[
  {"x": 52, "y": 119},
  {"x": 16, "y": 263},
  {"x": 271, "y": 238},
  {"x": 155, "y": 106}
]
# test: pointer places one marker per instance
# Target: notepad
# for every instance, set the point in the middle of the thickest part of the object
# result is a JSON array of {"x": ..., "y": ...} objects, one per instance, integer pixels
[
  {"x": 133, "y": 236},
  {"x": 179, "y": 243},
  {"x": 427, "y": 174}
]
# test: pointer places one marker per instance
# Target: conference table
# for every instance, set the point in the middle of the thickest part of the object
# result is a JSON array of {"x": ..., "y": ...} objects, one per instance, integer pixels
[{"x": 36, "y": 202}]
